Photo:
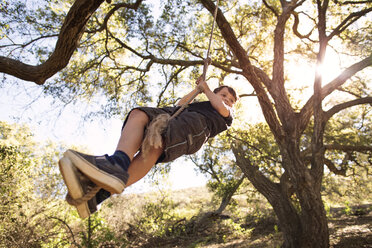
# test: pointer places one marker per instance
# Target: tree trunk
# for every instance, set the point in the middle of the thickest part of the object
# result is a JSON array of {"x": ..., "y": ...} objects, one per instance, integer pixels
[
  {"x": 289, "y": 221},
  {"x": 228, "y": 195},
  {"x": 301, "y": 228},
  {"x": 313, "y": 220}
]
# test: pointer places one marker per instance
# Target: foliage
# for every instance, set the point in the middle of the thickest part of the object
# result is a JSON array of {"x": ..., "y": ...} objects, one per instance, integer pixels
[
  {"x": 157, "y": 217},
  {"x": 25, "y": 210},
  {"x": 95, "y": 232},
  {"x": 217, "y": 162},
  {"x": 338, "y": 190},
  {"x": 33, "y": 212}
]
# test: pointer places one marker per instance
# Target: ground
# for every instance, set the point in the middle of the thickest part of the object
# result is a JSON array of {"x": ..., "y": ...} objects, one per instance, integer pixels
[
  {"x": 350, "y": 225},
  {"x": 351, "y": 229}
]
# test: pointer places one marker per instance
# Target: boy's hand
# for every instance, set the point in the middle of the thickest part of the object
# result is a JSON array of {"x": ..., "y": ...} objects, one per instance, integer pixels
[
  {"x": 202, "y": 84},
  {"x": 215, "y": 99}
]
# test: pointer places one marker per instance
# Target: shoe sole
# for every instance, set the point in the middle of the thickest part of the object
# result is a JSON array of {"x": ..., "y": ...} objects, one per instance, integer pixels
[
  {"x": 72, "y": 181},
  {"x": 99, "y": 177}
]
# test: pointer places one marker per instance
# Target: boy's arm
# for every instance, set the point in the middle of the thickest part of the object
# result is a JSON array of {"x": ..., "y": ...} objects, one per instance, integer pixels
[
  {"x": 187, "y": 97},
  {"x": 215, "y": 100}
]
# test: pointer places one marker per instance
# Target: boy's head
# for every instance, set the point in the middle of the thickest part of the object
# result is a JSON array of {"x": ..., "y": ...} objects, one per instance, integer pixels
[{"x": 227, "y": 93}]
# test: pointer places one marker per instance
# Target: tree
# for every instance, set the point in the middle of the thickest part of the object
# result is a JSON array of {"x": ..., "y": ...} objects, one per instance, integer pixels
[
  {"x": 28, "y": 181},
  {"x": 256, "y": 42},
  {"x": 217, "y": 162}
]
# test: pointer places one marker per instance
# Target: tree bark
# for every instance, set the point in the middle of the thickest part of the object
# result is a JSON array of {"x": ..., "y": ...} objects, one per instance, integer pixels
[{"x": 314, "y": 227}]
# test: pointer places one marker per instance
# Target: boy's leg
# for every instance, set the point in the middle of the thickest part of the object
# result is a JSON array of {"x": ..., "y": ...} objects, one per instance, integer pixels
[
  {"x": 141, "y": 165},
  {"x": 138, "y": 168},
  {"x": 110, "y": 172},
  {"x": 133, "y": 132}
]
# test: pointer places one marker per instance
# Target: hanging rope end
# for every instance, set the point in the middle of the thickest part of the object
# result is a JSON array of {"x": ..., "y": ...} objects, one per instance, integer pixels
[{"x": 153, "y": 137}]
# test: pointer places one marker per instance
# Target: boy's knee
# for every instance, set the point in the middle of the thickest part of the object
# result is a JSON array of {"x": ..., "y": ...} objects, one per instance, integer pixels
[{"x": 139, "y": 116}]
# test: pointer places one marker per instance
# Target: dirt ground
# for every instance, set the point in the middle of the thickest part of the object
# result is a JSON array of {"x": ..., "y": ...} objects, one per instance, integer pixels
[{"x": 351, "y": 229}]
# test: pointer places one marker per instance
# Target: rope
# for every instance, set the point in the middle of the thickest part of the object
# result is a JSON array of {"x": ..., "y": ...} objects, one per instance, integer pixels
[
  {"x": 207, "y": 62},
  {"x": 89, "y": 195},
  {"x": 183, "y": 106},
  {"x": 153, "y": 136}
]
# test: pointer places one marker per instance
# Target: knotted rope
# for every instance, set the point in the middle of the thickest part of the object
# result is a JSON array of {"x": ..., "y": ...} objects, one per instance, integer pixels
[
  {"x": 89, "y": 188},
  {"x": 157, "y": 126},
  {"x": 91, "y": 192}
]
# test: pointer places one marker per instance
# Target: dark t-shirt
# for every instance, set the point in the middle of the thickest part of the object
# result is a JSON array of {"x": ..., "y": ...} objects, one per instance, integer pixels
[{"x": 216, "y": 123}]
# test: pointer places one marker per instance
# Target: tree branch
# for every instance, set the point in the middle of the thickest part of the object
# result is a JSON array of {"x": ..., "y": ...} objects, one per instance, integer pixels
[
  {"x": 68, "y": 227},
  {"x": 348, "y": 148},
  {"x": 307, "y": 111},
  {"x": 331, "y": 166},
  {"x": 31, "y": 41},
  {"x": 335, "y": 109},
  {"x": 345, "y": 75},
  {"x": 68, "y": 40},
  {"x": 352, "y": 2},
  {"x": 353, "y": 17},
  {"x": 172, "y": 77},
  {"x": 113, "y": 10},
  {"x": 295, "y": 27},
  {"x": 228, "y": 195},
  {"x": 270, "y": 8},
  {"x": 211, "y": 170},
  {"x": 245, "y": 95},
  {"x": 278, "y": 92},
  {"x": 248, "y": 70},
  {"x": 154, "y": 59},
  {"x": 255, "y": 176}
]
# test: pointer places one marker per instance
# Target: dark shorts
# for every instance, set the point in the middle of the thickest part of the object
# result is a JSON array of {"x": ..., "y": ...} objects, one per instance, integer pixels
[{"x": 185, "y": 134}]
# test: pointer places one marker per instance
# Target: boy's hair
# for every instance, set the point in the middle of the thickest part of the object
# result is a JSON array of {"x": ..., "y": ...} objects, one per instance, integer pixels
[{"x": 231, "y": 91}]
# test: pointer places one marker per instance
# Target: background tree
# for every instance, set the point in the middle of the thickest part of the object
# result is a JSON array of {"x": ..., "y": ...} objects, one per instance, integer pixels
[
  {"x": 33, "y": 212},
  {"x": 29, "y": 180},
  {"x": 216, "y": 161},
  {"x": 120, "y": 46}
]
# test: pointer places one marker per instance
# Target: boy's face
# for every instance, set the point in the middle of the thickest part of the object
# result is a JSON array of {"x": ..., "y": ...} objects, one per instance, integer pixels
[{"x": 226, "y": 97}]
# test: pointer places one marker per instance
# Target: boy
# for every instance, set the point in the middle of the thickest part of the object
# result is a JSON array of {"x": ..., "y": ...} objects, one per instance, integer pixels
[{"x": 184, "y": 134}]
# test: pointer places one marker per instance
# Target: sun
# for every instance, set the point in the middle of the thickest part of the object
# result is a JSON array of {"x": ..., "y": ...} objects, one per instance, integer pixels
[
  {"x": 330, "y": 68},
  {"x": 303, "y": 73}
]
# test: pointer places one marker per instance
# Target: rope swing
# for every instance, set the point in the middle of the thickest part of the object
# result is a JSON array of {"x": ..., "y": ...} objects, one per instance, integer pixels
[{"x": 157, "y": 126}]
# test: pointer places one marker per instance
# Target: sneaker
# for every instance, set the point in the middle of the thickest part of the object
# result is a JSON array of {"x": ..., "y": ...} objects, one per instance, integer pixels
[
  {"x": 111, "y": 177},
  {"x": 78, "y": 187}
]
